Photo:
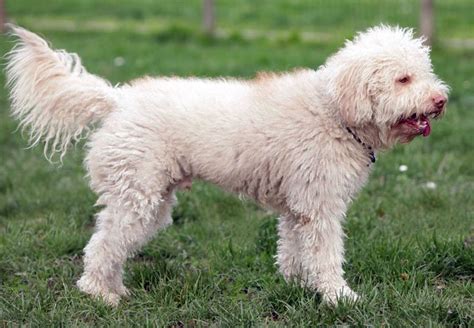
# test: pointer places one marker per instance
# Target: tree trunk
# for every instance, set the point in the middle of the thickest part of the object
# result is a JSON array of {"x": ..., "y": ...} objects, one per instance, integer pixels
[
  {"x": 427, "y": 21},
  {"x": 3, "y": 16},
  {"x": 208, "y": 22}
]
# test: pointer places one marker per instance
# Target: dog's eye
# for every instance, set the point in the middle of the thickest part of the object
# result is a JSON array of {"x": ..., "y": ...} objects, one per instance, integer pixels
[{"x": 404, "y": 80}]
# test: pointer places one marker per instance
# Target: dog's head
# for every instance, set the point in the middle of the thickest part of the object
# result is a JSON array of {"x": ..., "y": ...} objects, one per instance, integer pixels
[{"x": 384, "y": 78}]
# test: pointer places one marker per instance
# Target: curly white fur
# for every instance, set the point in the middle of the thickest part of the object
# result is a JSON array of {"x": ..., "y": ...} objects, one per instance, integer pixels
[
  {"x": 52, "y": 93},
  {"x": 280, "y": 139}
]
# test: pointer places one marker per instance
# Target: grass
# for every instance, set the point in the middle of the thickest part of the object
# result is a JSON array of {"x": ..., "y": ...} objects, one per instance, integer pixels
[{"x": 409, "y": 248}]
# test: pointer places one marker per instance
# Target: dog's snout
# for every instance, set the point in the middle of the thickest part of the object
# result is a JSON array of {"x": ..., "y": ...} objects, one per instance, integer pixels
[{"x": 439, "y": 101}]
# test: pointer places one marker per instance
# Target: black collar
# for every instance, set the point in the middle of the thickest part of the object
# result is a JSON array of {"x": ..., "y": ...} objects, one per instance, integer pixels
[{"x": 367, "y": 147}]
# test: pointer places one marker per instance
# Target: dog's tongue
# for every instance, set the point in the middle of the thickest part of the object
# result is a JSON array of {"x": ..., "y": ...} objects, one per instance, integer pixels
[{"x": 425, "y": 123}]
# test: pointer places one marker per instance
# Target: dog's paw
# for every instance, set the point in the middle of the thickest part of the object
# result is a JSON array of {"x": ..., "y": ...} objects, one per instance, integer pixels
[
  {"x": 97, "y": 290},
  {"x": 111, "y": 299},
  {"x": 123, "y": 291},
  {"x": 342, "y": 294}
]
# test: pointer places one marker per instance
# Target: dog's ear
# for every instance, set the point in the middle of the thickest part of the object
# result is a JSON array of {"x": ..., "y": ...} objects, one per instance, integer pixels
[{"x": 349, "y": 87}]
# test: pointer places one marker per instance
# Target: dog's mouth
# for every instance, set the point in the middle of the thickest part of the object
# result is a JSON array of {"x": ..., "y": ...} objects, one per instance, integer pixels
[{"x": 419, "y": 124}]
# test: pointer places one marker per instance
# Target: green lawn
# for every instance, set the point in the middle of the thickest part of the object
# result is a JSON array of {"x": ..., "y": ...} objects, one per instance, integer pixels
[{"x": 410, "y": 249}]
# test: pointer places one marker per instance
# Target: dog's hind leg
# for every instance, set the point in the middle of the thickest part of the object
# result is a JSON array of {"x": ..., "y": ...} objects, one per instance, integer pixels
[{"x": 119, "y": 234}]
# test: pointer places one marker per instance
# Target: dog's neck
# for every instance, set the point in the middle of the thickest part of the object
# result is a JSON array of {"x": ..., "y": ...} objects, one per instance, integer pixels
[{"x": 364, "y": 143}]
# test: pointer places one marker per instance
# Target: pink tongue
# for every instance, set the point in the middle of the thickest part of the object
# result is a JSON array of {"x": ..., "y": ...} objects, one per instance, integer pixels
[{"x": 427, "y": 129}]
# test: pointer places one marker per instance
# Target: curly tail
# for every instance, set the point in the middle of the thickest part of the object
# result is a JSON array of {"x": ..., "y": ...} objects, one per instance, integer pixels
[{"x": 52, "y": 94}]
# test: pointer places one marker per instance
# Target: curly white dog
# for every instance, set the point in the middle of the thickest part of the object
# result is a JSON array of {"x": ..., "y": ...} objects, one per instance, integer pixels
[{"x": 301, "y": 143}]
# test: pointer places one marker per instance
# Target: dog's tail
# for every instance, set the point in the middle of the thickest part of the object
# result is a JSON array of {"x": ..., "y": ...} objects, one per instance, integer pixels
[{"x": 52, "y": 94}]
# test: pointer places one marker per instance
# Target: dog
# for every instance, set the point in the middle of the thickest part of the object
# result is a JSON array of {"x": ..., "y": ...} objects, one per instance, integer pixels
[{"x": 300, "y": 143}]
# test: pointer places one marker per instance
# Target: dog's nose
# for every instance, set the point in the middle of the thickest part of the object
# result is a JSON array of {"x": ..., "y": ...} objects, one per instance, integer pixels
[{"x": 439, "y": 101}]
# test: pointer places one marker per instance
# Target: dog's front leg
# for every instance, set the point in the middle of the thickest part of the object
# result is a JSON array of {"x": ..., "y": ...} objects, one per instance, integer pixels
[
  {"x": 321, "y": 242},
  {"x": 288, "y": 248}
]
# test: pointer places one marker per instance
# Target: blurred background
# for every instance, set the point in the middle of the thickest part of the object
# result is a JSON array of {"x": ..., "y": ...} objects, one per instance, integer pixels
[
  {"x": 444, "y": 23},
  {"x": 411, "y": 230},
  {"x": 309, "y": 19},
  {"x": 225, "y": 37}
]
